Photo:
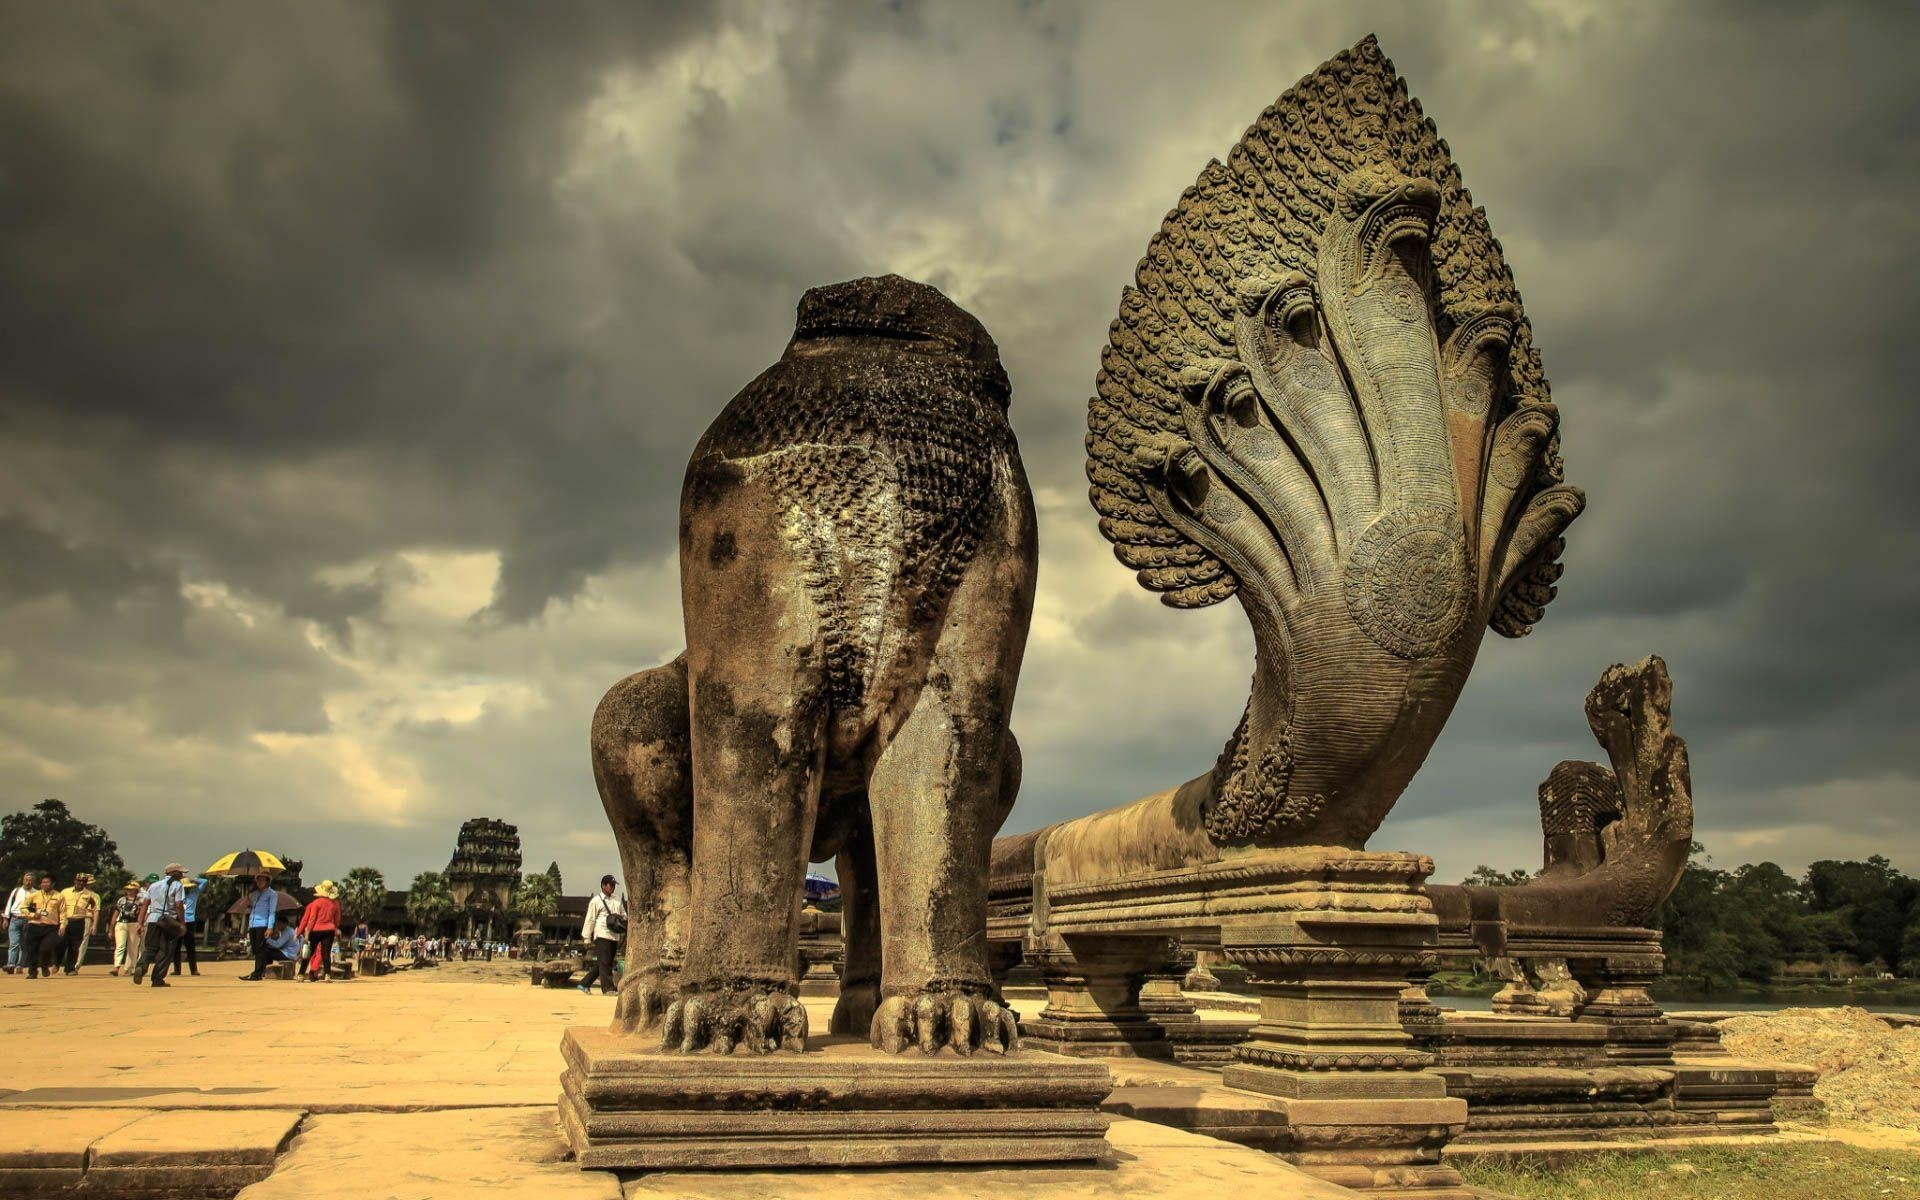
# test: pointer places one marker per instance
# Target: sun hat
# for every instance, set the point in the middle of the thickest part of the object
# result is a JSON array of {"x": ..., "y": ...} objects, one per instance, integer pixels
[
  {"x": 325, "y": 888},
  {"x": 192, "y": 884},
  {"x": 172, "y": 867},
  {"x": 131, "y": 885}
]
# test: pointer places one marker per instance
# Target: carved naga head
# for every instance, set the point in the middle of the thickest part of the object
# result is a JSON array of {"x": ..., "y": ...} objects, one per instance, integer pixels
[{"x": 1322, "y": 395}]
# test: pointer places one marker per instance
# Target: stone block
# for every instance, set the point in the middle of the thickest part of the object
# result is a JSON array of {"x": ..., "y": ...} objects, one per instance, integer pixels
[
  {"x": 43, "y": 1149},
  {"x": 139, "y": 1152},
  {"x": 625, "y": 1106}
]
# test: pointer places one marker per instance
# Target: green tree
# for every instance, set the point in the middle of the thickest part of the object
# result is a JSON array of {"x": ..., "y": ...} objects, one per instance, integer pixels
[
  {"x": 1910, "y": 950},
  {"x": 428, "y": 900},
  {"x": 1693, "y": 926},
  {"x": 537, "y": 898},
  {"x": 52, "y": 841},
  {"x": 1486, "y": 876},
  {"x": 1875, "y": 899},
  {"x": 363, "y": 891}
]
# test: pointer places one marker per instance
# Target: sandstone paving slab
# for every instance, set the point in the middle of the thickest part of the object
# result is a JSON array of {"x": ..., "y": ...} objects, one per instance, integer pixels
[
  {"x": 186, "y": 1138},
  {"x": 43, "y": 1139},
  {"x": 390, "y": 1042},
  {"x": 1149, "y": 1162},
  {"x": 470, "y": 1154},
  {"x": 190, "y": 1151}
]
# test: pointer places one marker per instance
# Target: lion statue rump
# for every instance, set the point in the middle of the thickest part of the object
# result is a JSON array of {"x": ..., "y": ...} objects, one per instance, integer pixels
[{"x": 857, "y": 561}]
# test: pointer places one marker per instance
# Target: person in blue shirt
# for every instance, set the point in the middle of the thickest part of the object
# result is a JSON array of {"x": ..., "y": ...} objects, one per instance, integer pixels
[
  {"x": 282, "y": 940},
  {"x": 263, "y": 907},
  {"x": 161, "y": 912},
  {"x": 185, "y": 943}
]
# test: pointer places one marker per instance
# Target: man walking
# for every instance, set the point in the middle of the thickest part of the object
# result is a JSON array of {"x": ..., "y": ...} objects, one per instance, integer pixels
[
  {"x": 126, "y": 929},
  {"x": 262, "y": 906},
  {"x": 161, "y": 913},
  {"x": 17, "y": 919},
  {"x": 80, "y": 905},
  {"x": 604, "y": 913}
]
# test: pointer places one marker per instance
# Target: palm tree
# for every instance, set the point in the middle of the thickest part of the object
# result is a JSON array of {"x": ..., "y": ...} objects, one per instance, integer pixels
[
  {"x": 536, "y": 898},
  {"x": 429, "y": 899},
  {"x": 363, "y": 891}
]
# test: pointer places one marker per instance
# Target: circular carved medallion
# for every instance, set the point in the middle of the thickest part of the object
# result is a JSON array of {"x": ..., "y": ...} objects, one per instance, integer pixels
[
  {"x": 1311, "y": 370},
  {"x": 1408, "y": 585},
  {"x": 1404, "y": 300}
]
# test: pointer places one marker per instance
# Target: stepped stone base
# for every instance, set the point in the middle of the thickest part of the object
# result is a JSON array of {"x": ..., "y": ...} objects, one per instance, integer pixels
[
  {"x": 1205, "y": 1043},
  {"x": 1138, "y": 1038},
  {"x": 626, "y": 1107},
  {"x": 1717, "y": 1097}
]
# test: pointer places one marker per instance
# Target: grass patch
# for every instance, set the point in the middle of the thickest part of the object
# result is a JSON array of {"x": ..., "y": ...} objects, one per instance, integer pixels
[{"x": 1824, "y": 1171}]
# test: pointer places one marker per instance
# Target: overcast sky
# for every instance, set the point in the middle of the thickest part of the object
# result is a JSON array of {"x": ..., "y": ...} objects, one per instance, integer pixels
[{"x": 353, "y": 354}]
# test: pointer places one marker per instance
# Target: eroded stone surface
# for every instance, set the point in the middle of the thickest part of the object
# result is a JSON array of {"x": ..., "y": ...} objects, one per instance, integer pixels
[
  {"x": 857, "y": 566},
  {"x": 469, "y": 1154},
  {"x": 844, "y": 1103},
  {"x": 1149, "y": 1162},
  {"x": 48, "y": 1139}
]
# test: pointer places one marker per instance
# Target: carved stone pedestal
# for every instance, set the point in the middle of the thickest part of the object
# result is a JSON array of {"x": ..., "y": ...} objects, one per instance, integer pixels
[
  {"x": 1618, "y": 1000},
  {"x": 1363, "y": 1109},
  {"x": 624, "y": 1106},
  {"x": 821, "y": 980},
  {"x": 1094, "y": 1008}
]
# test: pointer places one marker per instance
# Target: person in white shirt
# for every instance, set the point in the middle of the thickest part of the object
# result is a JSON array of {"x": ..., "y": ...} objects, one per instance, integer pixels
[
  {"x": 604, "y": 928},
  {"x": 16, "y": 919}
]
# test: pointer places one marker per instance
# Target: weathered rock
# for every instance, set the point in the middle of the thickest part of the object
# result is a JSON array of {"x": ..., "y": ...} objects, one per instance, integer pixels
[
  {"x": 857, "y": 565},
  {"x": 1332, "y": 408},
  {"x": 845, "y": 1104}
]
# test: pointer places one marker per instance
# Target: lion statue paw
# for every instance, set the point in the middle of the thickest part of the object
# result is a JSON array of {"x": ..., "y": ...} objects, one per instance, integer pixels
[
  {"x": 937, "y": 1018},
  {"x": 759, "y": 1017}
]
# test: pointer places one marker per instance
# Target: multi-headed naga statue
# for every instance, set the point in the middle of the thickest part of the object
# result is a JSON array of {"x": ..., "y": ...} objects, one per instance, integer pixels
[
  {"x": 1321, "y": 395},
  {"x": 857, "y": 567}
]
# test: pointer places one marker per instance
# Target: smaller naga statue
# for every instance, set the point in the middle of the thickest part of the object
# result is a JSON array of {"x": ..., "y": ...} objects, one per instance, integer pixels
[{"x": 857, "y": 556}]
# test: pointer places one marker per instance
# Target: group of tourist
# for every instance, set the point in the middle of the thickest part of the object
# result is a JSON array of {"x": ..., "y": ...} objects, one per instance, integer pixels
[{"x": 48, "y": 930}]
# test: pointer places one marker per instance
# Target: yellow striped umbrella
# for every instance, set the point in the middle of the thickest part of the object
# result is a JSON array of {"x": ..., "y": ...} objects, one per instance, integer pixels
[{"x": 246, "y": 863}]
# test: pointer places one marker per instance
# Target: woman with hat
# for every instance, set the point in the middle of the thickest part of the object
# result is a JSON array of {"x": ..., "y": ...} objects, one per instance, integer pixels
[
  {"x": 126, "y": 928},
  {"x": 320, "y": 924}
]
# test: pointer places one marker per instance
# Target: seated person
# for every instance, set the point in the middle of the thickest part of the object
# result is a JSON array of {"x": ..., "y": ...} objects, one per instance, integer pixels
[{"x": 284, "y": 939}]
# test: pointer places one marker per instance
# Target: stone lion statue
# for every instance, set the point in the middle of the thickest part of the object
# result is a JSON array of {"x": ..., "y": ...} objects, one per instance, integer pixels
[{"x": 857, "y": 559}]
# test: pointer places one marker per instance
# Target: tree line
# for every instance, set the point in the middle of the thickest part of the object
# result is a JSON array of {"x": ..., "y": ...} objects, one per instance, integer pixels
[{"x": 1756, "y": 924}]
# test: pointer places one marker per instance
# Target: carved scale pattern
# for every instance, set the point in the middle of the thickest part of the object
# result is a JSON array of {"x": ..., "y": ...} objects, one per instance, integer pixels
[
  {"x": 887, "y": 467},
  {"x": 1249, "y": 221}
]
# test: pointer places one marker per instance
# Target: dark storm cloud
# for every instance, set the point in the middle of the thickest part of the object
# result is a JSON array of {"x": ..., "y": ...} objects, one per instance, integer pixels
[{"x": 353, "y": 352}]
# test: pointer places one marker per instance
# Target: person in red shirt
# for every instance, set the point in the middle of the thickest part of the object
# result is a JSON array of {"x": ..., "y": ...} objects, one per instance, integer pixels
[{"x": 320, "y": 924}]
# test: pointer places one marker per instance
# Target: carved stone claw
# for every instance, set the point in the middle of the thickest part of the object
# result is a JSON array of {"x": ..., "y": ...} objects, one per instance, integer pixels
[
  {"x": 933, "y": 1020},
  {"x": 644, "y": 997},
  {"x": 717, "y": 1019}
]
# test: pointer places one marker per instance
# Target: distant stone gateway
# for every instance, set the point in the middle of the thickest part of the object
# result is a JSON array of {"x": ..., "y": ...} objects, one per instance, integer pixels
[{"x": 485, "y": 866}]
